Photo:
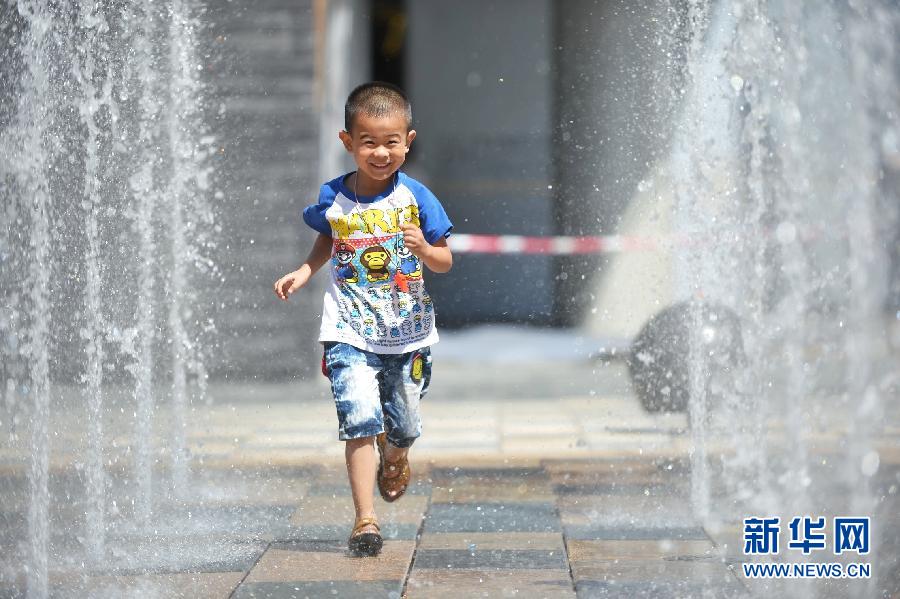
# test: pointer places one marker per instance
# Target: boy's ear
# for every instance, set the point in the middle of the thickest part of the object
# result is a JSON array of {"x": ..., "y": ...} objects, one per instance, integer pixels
[
  {"x": 409, "y": 138},
  {"x": 346, "y": 140}
]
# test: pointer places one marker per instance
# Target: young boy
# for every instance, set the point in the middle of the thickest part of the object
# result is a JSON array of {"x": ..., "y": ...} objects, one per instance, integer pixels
[{"x": 377, "y": 226}]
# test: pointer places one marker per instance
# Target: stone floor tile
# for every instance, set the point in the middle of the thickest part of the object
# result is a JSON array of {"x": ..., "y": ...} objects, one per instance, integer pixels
[
  {"x": 492, "y": 517},
  {"x": 729, "y": 541},
  {"x": 551, "y": 541},
  {"x": 176, "y": 586},
  {"x": 257, "y": 490},
  {"x": 418, "y": 485},
  {"x": 239, "y": 521},
  {"x": 316, "y": 589},
  {"x": 634, "y": 533},
  {"x": 440, "y": 445},
  {"x": 495, "y": 491},
  {"x": 286, "y": 565},
  {"x": 647, "y": 511},
  {"x": 172, "y": 555},
  {"x": 317, "y": 510},
  {"x": 492, "y": 559},
  {"x": 538, "y": 427},
  {"x": 493, "y": 473},
  {"x": 652, "y": 589},
  {"x": 340, "y": 532},
  {"x": 705, "y": 573},
  {"x": 522, "y": 584},
  {"x": 541, "y": 445},
  {"x": 592, "y": 551}
]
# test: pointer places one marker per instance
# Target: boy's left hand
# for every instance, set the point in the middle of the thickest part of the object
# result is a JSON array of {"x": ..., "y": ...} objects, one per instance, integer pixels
[{"x": 415, "y": 241}]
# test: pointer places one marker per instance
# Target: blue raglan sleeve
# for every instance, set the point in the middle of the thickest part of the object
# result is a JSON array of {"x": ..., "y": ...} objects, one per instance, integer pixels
[
  {"x": 314, "y": 215},
  {"x": 433, "y": 220}
]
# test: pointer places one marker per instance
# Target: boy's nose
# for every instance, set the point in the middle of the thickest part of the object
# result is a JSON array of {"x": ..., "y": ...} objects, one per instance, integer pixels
[{"x": 381, "y": 151}]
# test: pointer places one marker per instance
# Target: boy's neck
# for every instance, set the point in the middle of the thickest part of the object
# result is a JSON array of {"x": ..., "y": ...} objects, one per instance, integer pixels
[{"x": 366, "y": 186}]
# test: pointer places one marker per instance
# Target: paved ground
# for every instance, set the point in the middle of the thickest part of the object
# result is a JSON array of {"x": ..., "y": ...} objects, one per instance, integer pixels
[{"x": 536, "y": 476}]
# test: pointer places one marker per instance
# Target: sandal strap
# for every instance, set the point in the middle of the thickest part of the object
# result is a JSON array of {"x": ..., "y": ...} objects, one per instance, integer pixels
[{"x": 363, "y": 522}]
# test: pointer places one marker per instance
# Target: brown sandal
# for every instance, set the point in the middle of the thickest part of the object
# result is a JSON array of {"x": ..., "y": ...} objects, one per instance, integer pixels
[
  {"x": 365, "y": 543},
  {"x": 391, "y": 489}
]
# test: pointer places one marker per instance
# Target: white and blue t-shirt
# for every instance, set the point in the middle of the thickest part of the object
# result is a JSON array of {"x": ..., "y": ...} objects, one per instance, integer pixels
[{"x": 368, "y": 304}]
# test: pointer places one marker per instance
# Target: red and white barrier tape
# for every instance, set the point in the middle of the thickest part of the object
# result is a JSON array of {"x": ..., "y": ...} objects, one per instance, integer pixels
[
  {"x": 554, "y": 246},
  {"x": 561, "y": 245}
]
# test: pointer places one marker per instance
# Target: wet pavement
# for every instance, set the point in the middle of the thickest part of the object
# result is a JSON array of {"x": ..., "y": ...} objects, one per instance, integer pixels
[{"x": 535, "y": 477}]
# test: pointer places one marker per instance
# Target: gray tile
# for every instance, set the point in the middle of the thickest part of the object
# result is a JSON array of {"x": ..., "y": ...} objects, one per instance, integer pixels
[
  {"x": 235, "y": 520},
  {"x": 379, "y": 589},
  {"x": 492, "y": 517},
  {"x": 12, "y": 592},
  {"x": 508, "y": 559},
  {"x": 512, "y": 473},
  {"x": 313, "y": 545},
  {"x": 610, "y": 533},
  {"x": 340, "y": 532},
  {"x": 170, "y": 556},
  {"x": 616, "y": 489},
  {"x": 656, "y": 590},
  {"x": 342, "y": 489}
]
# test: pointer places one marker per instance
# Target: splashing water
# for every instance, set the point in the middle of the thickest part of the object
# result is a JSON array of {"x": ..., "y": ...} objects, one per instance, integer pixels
[
  {"x": 779, "y": 160},
  {"x": 101, "y": 141}
]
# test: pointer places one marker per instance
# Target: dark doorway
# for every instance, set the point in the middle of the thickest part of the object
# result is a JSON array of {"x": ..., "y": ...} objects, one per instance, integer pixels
[{"x": 389, "y": 23}]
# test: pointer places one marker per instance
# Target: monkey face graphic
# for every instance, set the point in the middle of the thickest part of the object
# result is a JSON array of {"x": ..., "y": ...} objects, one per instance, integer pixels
[{"x": 375, "y": 260}]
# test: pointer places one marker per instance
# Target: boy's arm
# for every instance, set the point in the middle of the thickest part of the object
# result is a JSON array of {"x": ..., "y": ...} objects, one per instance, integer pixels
[
  {"x": 318, "y": 255},
  {"x": 437, "y": 257}
]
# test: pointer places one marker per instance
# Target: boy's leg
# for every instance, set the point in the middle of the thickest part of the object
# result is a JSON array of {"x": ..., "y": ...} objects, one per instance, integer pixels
[
  {"x": 404, "y": 382},
  {"x": 354, "y": 383},
  {"x": 362, "y": 464}
]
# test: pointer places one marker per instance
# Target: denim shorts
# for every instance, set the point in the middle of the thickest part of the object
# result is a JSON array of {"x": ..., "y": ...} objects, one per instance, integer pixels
[{"x": 376, "y": 393}]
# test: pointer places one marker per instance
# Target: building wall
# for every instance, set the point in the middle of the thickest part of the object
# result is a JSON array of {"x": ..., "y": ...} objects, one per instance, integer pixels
[
  {"x": 268, "y": 130},
  {"x": 479, "y": 78},
  {"x": 613, "y": 86}
]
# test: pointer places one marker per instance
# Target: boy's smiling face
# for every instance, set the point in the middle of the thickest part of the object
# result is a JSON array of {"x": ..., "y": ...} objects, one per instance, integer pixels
[{"x": 379, "y": 145}]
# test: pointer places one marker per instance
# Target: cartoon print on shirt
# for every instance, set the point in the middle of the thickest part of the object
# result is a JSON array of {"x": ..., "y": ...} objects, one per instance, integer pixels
[
  {"x": 376, "y": 299},
  {"x": 375, "y": 260},
  {"x": 373, "y": 221},
  {"x": 344, "y": 269},
  {"x": 409, "y": 264}
]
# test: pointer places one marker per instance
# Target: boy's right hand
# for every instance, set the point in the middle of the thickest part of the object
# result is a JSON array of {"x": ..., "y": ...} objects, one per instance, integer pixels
[{"x": 291, "y": 282}]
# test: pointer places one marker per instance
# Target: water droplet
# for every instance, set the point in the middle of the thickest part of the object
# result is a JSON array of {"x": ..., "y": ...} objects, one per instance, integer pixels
[{"x": 870, "y": 462}]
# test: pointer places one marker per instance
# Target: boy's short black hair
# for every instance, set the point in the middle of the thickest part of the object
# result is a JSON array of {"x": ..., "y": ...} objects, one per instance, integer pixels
[{"x": 377, "y": 98}]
